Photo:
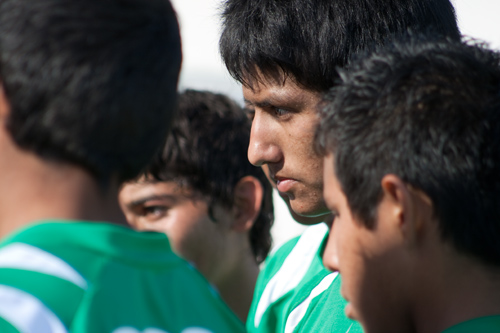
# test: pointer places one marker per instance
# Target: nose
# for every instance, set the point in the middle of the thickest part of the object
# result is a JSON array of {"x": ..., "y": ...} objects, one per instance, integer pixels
[
  {"x": 330, "y": 255},
  {"x": 264, "y": 147}
]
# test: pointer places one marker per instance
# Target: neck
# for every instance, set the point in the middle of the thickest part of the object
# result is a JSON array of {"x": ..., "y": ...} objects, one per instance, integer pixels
[
  {"x": 462, "y": 289},
  {"x": 237, "y": 286},
  {"x": 33, "y": 189}
]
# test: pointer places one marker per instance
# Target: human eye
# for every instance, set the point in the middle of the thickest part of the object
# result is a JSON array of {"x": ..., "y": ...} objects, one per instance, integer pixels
[
  {"x": 154, "y": 212},
  {"x": 279, "y": 112}
]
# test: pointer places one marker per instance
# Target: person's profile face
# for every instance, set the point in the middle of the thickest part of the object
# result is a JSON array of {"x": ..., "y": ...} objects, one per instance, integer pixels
[
  {"x": 282, "y": 135},
  {"x": 374, "y": 280},
  {"x": 183, "y": 216}
]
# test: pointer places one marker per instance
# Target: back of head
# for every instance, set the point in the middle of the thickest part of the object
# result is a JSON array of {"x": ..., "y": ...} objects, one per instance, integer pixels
[
  {"x": 309, "y": 39},
  {"x": 206, "y": 152},
  {"x": 428, "y": 112},
  {"x": 90, "y": 82}
]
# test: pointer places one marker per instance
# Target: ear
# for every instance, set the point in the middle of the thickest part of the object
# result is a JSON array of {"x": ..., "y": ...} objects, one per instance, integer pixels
[
  {"x": 408, "y": 209},
  {"x": 248, "y": 194}
]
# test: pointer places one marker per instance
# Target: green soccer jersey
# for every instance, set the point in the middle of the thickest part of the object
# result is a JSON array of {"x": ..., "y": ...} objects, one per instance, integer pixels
[
  {"x": 487, "y": 324},
  {"x": 296, "y": 293},
  {"x": 99, "y": 277}
]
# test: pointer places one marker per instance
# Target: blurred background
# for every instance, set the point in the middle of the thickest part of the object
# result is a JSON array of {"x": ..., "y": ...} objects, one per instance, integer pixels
[{"x": 202, "y": 67}]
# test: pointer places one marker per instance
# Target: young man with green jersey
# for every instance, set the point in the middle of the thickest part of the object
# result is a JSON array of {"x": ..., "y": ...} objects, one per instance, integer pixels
[
  {"x": 200, "y": 189},
  {"x": 412, "y": 176},
  {"x": 286, "y": 54},
  {"x": 87, "y": 91}
]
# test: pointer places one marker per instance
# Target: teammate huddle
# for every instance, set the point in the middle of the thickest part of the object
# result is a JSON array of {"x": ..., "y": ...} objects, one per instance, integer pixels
[{"x": 371, "y": 116}]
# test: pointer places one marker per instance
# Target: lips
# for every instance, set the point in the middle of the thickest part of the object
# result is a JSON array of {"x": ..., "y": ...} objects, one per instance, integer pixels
[{"x": 284, "y": 184}]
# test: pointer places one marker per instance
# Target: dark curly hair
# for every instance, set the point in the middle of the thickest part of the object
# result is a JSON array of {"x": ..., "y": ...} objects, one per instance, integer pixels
[{"x": 206, "y": 151}]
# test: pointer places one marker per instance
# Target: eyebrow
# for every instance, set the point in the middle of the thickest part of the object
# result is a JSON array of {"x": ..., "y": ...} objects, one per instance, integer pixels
[
  {"x": 141, "y": 201},
  {"x": 260, "y": 104},
  {"x": 289, "y": 100}
]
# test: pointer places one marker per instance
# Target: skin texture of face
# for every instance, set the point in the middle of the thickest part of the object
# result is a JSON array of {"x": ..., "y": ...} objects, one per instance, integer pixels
[
  {"x": 283, "y": 127},
  {"x": 183, "y": 216},
  {"x": 374, "y": 264},
  {"x": 307, "y": 220}
]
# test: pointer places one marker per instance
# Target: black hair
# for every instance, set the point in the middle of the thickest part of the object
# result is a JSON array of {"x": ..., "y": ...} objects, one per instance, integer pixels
[
  {"x": 92, "y": 82},
  {"x": 308, "y": 39},
  {"x": 206, "y": 151},
  {"x": 428, "y": 112}
]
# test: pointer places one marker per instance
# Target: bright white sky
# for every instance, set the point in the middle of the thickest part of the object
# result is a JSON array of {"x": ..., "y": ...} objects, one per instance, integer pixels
[{"x": 203, "y": 69}]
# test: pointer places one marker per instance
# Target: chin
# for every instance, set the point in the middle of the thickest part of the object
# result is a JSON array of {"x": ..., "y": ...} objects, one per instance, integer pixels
[{"x": 308, "y": 216}]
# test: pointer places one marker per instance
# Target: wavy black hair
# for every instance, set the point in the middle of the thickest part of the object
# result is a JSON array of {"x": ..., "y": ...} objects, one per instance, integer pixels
[
  {"x": 308, "y": 40},
  {"x": 206, "y": 151}
]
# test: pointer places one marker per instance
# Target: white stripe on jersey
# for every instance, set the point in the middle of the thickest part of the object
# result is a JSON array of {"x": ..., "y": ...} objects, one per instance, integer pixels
[
  {"x": 293, "y": 269},
  {"x": 26, "y": 313},
  {"x": 298, "y": 313},
  {"x": 31, "y": 258}
]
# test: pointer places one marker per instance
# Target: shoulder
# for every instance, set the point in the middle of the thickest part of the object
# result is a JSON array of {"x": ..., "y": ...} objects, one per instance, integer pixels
[
  {"x": 291, "y": 252},
  {"x": 286, "y": 271},
  {"x": 98, "y": 277},
  {"x": 319, "y": 307},
  {"x": 29, "y": 275}
]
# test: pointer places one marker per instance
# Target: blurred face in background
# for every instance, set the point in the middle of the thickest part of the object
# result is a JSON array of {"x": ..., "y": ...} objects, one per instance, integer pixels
[{"x": 183, "y": 215}]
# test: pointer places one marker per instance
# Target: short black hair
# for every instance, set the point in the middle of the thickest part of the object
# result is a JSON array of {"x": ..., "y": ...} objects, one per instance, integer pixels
[
  {"x": 206, "y": 151},
  {"x": 428, "y": 112},
  {"x": 308, "y": 39},
  {"x": 92, "y": 82}
]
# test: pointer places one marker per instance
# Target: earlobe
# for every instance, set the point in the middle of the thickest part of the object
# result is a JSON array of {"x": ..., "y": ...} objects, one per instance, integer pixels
[{"x": 248, "y": 194}]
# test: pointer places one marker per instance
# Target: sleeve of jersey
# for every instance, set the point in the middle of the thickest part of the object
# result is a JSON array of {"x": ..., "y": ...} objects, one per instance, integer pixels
[
  {"x": 285, "y": 272},
  {"x": 38, "y": 291},
  {"x": 264, "y": 311}
]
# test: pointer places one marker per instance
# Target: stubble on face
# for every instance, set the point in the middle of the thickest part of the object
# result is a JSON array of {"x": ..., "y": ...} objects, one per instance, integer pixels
[{"x": 282, "y": 137}]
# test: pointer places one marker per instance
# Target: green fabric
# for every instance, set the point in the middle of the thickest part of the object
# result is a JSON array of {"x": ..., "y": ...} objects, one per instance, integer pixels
[
  {"x": 133, "y": 280},
  {"x": 30, "y": 282},
  {"x": 6, "y": 327},
  {"x": 488, "y": 324},
  {"x": 324, "y": 313},
  {"x": 273, "y": 320}
]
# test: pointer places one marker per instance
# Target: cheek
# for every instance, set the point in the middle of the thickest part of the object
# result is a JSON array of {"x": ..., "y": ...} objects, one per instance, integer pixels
[
  {"x": 351, "y": 261},
  {"x": 188, "y": 235},
  {"x": 178, "y": 229},
  {"x": 380, "y": 287},
  {"x": 302, "y": 142},
  {"x": 304, "y": 132}
]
